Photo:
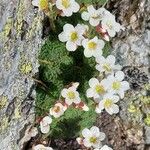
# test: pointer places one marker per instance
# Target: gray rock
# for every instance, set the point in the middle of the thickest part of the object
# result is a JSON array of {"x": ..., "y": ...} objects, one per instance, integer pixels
[
  {"x": 20, "y": 40},
  {"x": 132, "y": 48},
  {"x": 147, "y": 134}
]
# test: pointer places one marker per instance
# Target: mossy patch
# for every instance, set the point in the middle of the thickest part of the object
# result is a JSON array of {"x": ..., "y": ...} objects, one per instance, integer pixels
[{"x": 58, "y": 68}]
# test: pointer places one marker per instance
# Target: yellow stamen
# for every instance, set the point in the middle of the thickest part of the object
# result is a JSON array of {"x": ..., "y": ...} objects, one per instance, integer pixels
[
  {"x": 109, "y": 24},
  {"x": 71, "y": 95},
  {"x": 43, "y": 4},
  {"x": 92, "y": 45},
  {"x": 107, "y": 67},
  {"x": 99, "y": 89},
  {"x": 96, "y": 16},
  {"x": 93, "y": 139},
  {"x": 74, "y": 36},
  {"x": 116, "y": 85},
  {"x": 108, "y": 103},
  {"x": 66, "y": 3},
  {"x": 56, "y": 109}
]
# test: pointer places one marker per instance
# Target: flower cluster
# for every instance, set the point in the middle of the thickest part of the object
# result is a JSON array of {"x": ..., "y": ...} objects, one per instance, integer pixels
[
  {"x": 105, "y": 91},
  {"x": 70, "y": 97},
  {"x": 93, "y": 138},
  {"x": 102, "y": 17}
]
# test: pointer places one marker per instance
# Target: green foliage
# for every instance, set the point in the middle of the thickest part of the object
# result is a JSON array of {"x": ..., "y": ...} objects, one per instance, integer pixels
[{"x": 58, "y": 68}]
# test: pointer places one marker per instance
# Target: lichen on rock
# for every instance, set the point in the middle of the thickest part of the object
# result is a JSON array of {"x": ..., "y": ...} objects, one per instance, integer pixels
[{"x": 20, "y": 40}]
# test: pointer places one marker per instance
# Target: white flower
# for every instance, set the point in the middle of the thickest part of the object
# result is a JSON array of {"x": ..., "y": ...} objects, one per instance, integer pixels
[
  {"x": 93, "y": 16},
  {"x": 58, "y": 110},
  {"x": 42, "y": 4},
  {"x": 68, "y": 7},
  {"x": 97, "y": 89},
  {"x": 93, "y": 47},
  {"x": 107, "y": 65},
  {"x": 72, "y": 35},
  {"x": 109, "y": 23},
  {"x": 71, "y": 95},
  {"x": 41, "y": 147},
  {"x": 105, "y": 147},
  {"x": 93, "y": 137},
  {"x": 44, "y": 124},
  {"x": 108, "y": 103},
  {"x": 116, "y": 85}
]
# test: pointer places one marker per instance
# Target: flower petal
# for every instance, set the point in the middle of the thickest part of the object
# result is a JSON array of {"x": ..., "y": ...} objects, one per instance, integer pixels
[
  {"x": 125, "y": 85},
  {"x": 45, "y": 129},
  {"x": 115, "y": 108},
  {"x": 75, "y": 7},
  {"x": 119, "y": 75},
  {"x": 91, "y": 9},
  {"x": 88, "y": 53},
  {"x": 63, "y": 37},
  {"x": 84, "y": 43},
  {"x": 68, "y": 12},
  {"x": 111, "y": 59},
  {"x": 94, "y": 22},
  {"x": 64, "y": 93},
  {"x": 35, "y": 3},
  {"x": 105, "y": 147},
  {"x": 87, "y": 143},
  {"x": 70, "y": 46},
  {"x": 86, "y": 133},
  {"x": 93, "y": 82},
  {"x": 68, "y": 27},
  {"x": 102, "y": 136},
  {"x": 89, "y": 93},
  {"x": 85, "y": 16},
  {"x": 95, "y": 131}
]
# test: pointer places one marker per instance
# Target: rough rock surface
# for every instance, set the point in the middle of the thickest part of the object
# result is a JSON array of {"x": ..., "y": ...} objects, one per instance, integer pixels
[
  {"x": 132, "y": 49},
  {"x": 20, "y": 39}
]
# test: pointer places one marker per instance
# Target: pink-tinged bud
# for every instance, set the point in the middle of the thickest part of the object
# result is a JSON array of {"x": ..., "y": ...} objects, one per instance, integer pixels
[
  {"x": 82, "y": 106},
  {"x": 65, "y": 105},
  {"x": 75, "y": 84},
  {"x": 79, "y": 140},
  {"x": 106, "y": 37},
  {"x": 101, "y": 30}
]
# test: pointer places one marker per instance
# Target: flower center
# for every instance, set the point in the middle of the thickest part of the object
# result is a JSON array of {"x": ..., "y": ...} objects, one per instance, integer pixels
[
  {"x": 71, "y": 95},
  {"x": 92, "y": 45},
  {"x": 56, "y": 109},
  {"x": 43, "y": 4},
  {"x": 116, "y": 85},
  {"x": 66, "y": 3},
  {"x": 93, "y": 140},
  {"x": 108, "y": 103},
  {"x": 107, "y": 67},
  {"x": 42, "y": 149},
  {"x": 74, "y": 36},
  {"x": 95, "y": 16},
  {"x": 100, "y": 89},
  {"x": 109, "y": 24}
]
